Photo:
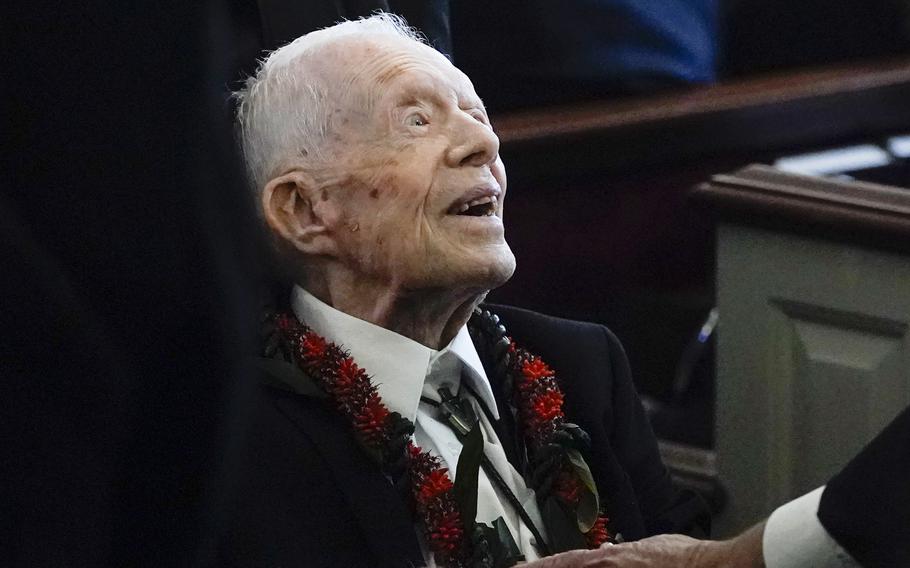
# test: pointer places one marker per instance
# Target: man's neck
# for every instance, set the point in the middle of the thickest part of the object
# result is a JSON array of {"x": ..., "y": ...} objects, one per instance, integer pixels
[{"x": 430, "y": 317}]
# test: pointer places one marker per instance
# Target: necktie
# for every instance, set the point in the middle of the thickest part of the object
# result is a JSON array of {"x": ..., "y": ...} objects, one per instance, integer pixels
[{"x": 458, "y": 414}]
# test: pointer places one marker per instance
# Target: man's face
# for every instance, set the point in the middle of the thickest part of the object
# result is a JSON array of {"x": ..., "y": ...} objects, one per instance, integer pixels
[{"x": 419, "y": 182}]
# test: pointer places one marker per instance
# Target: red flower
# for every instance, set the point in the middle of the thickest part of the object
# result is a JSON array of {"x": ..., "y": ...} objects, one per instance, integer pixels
[
  {"x": 414, "y": 450},
  {"x": 348, "y": 377},
  {"x": 598, "y": 533},
  {"x": 348, "y": 371},
  {"x": 445, "y": 533},
  {"x": 370, "y": 421},
  {"x": 283, "y": 322},
  {"x": 568, "y": 487},
  {"x": 421, "y": 463},
  {"x": 433, "y": 485},
  {"x": 547, "y": 406},
  {"x": 312, "y": 346},
  {"x": 432, "y": 490},
  {"x": 534, "y": 369}
]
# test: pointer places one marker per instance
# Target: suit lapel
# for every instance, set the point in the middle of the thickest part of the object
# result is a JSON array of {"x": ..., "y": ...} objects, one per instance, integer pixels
[
  {"x": 506, "y": 428},
  {"x": 508, "y": 433},
  {"x": 379, "y": 509}
]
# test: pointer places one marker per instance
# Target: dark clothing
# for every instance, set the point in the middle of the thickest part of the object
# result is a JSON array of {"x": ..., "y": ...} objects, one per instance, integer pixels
[
  {"x": 270, "y": 24},
  {"x": 532, "y": 52},
  {"x": 771, "y": 36},
  {"x": 866, "y": 507},
  {"x": 310, "y": 496},
  {"x": 126, "y": 265},
  {"x": 285, "y": 20}
]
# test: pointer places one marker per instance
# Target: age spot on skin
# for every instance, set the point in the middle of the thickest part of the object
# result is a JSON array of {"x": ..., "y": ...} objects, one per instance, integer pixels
[
  {"x": 325, "y": 195},
  {"x": 388, "y": 186},
  {"x": 374, "y": 193}
]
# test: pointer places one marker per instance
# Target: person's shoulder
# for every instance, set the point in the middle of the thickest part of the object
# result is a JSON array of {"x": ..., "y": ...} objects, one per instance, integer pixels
[
  {"x": 588, "y": 360},
  {"x": 526, "y": 324},
  {"x": 570, "y": 344}
]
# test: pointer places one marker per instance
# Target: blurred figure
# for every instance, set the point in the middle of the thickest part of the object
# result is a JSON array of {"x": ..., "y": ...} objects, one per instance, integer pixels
[
  {"x": 127, "y": 274},
  {"x": 762, "y": 36},
  {"x": 524, "y": 53},
  {"x": 274, "y": 23}
]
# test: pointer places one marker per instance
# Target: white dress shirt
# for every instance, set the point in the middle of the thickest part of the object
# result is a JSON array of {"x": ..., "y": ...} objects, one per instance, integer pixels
[
  {"x": 403, "y": 370},
  {"x": 795, "y": 538}
]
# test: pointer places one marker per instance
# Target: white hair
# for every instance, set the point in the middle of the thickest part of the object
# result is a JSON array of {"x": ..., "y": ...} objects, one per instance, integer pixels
[{"x": 282, "y": 112}]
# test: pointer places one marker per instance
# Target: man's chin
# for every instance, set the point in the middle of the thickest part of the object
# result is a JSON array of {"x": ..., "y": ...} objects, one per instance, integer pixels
[
  {"x": 482, "y": 273},
  {"x": 491, "y": 273},
  {"x": 501, "y": 271}
]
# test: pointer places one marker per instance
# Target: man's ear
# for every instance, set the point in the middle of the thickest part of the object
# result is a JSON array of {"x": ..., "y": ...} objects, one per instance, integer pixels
[{"x": 287, "y": 203}]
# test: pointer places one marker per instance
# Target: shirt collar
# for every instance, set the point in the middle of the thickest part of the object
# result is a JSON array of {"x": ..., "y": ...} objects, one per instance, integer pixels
[
  {"x": 397, "y": 364},
  {"x": 463, "y": 347}
]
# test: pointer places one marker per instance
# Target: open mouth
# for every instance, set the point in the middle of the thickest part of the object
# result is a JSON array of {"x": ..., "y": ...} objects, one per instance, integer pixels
[{"x": 480, "y": 207}]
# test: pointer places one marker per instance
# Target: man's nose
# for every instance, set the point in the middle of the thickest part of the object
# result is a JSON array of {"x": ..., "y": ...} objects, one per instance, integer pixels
[{"x": 476, "y": 146}]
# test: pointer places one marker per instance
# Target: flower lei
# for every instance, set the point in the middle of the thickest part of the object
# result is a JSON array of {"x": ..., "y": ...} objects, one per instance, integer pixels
[
  {"x": 540, "y": 408},
  {"x": 539, "y": 401}
]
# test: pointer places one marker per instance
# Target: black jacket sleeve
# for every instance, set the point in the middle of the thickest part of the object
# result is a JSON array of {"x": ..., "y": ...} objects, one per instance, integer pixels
[
  {"x": 866, "y": 507},
  {"x": 664, "y": 507}
]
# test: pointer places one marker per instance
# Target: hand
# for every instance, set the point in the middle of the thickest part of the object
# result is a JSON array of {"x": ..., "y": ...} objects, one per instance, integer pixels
[
  {"x": 668, "y": 550},
  {"x": 674, "y": 551}
]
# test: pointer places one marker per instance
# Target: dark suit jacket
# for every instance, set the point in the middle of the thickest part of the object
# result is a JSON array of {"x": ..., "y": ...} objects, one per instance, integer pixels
[
  {"x": 127, "y": 296},
  {"x": 866, "y": 507},
  {"x": 311, "y": 497},
  {"x": 270, "y": 24}
]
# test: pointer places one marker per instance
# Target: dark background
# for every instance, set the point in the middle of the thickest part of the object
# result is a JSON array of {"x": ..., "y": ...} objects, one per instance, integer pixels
[{"x": 130, "y": 262}]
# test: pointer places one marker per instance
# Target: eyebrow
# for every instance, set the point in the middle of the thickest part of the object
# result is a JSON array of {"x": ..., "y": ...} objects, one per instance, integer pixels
[
  {"x": 408, "y": 99},
  {"x": 428, "y": 88},
  {"x": 472, "y": 104},
  {"x": 424, "y": 92}
]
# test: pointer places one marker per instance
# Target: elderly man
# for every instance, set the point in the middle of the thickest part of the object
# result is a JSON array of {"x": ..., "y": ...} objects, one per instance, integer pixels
[{"x": 378, "y": 174}]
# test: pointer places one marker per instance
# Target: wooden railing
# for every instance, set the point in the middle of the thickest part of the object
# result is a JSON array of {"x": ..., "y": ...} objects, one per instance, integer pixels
[
  {"x": 598, "y": 213},
  {"x": 757, "y": 115}
]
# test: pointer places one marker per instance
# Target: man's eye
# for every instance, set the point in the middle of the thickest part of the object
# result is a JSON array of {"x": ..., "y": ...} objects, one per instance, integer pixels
[
  {"x": 417, "y": 120},
  {"x": 478, "y": 115}
]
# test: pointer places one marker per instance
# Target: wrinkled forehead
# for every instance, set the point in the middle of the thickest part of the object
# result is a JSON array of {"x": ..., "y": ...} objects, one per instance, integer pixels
[{"x": 383, "y": 67}]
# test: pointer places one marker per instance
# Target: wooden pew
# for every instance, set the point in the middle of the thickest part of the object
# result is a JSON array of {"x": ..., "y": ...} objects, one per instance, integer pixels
[
  {"x": 599, "y": 217},
  {"x": 597, "y": 210},
  {"x": 813, "y": 356}
]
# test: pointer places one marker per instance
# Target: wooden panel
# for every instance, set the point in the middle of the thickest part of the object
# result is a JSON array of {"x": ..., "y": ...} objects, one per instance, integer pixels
[
  {"x": 598, "y": 215},
  {"x": 844, "y": 371},
  {"x": 813, "y": 360},
  {"x": 597, "y": 212}
]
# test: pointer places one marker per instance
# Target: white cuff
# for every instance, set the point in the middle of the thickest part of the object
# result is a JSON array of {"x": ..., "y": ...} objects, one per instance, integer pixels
[{"x": 795, "y": 538}]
